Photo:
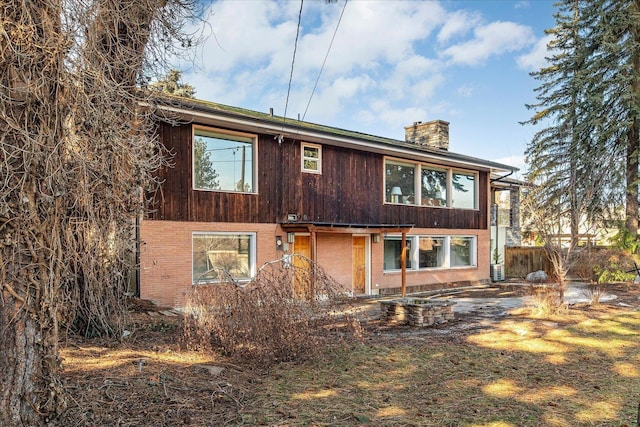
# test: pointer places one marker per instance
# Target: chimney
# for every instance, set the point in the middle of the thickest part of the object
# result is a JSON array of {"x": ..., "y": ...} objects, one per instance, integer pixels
[{"x": 433, "y": 134}]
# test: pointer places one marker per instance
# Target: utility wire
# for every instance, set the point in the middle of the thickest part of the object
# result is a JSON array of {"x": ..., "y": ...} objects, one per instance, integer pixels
[
  {"x": 325, "y": 59},
  {"x": 295, "y": 47}
]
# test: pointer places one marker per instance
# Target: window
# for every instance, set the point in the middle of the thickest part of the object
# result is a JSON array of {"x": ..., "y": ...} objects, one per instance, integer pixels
[
  {"x": 431, "y": 252},
  {"x": 223, "y": 161},
  {"x": 462, "y": 251},
  {"x": 393, "y": 253},
  {"x": 426, "y": 185},
  {"x": 399, "y": 182},
  {"x": 434, "y": 187},
  {"x": 428, "y": 252},
  {"x": 233, "y": 253},
  {"x": 463, "y": 190},
  {"x": 311, "y": 158}
]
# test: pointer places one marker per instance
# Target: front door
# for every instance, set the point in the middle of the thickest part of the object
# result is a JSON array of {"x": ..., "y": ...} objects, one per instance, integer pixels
[{"x": 359, "y": 260}]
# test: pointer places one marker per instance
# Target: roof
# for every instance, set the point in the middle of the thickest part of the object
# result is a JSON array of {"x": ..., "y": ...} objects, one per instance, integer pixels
[{"x": 254, "y": 121}]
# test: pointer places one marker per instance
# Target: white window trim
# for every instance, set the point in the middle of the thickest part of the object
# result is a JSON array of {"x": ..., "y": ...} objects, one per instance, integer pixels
[
  {"x": 254, "y": 160},
  {"x": 414, "y": 255},
  {"x": 318, "y": 159},
  {"x": 252, "y": 251}
]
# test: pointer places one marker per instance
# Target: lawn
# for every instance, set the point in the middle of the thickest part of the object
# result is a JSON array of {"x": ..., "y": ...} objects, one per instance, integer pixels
[{"x": 578, "y": 368}]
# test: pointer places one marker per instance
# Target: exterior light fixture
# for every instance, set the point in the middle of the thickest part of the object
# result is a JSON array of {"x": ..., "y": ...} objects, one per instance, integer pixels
[
  {"x": 376, "y": 238},
  {"x": 291, "y": 237}
]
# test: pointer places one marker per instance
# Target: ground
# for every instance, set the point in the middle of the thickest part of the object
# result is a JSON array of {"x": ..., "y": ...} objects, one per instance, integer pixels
[{"x": 151, "y": 378}]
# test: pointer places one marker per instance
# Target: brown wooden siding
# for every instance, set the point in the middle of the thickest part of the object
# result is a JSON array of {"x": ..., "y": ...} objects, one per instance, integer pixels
[{"x": 349, "y": 190}]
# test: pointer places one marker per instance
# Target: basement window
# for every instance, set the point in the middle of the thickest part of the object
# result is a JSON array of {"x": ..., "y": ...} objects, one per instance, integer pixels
[{"x": 217, "y": 257}]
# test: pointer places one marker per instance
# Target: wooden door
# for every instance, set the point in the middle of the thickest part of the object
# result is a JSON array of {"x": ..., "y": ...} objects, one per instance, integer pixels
[
  {"x": 302, "y": 275},
  {"x": 359, "y": 260}
]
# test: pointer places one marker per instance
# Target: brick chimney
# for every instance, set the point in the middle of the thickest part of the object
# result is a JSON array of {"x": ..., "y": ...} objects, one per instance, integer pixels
[{"x": 433, "y": 134}]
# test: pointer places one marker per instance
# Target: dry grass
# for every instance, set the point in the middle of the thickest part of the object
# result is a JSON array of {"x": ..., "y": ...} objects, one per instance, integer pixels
[{"x": 577, "y": 368}]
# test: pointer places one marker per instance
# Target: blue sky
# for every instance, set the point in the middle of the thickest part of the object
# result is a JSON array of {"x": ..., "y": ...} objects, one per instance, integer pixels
[{"x": 392, "y": 63}]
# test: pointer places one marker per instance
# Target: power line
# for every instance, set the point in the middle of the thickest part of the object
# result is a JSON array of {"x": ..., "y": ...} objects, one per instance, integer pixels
[
  {"x": 325, "y": 59},
  {"x": 295, "y": 48}
]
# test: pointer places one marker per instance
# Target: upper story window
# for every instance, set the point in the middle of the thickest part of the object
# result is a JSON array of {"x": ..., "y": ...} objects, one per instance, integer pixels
[
  {"x": 463, "y": 190},
  {"x": 425, "y": 185},
  {"x": 399, "y": 182},
  {"x": 223, "y": 161},
  {"x": 311, "y": 157}
]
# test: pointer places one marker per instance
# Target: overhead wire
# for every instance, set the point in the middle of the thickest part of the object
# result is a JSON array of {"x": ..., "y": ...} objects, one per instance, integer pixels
[
  {"x": 295, "y": 48},
  {"x": 325, "y": 59}
]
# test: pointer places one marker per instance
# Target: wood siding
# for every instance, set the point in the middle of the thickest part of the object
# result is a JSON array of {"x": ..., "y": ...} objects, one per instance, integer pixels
[{"x": 349, "y": 190}]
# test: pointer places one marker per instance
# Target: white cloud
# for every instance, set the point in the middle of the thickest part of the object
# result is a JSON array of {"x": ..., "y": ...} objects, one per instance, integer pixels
[
  {"x": 515, "y": 161},
  {"x": 536, "y": 59},
  {"x": 456, "y": 24},
  {"x": 490, "y": 40}
]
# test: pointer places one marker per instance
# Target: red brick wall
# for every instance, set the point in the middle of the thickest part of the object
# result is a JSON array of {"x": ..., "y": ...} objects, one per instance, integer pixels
[
  {"x": 165, "y": 259},
  {"x": 165, "y": 255}
]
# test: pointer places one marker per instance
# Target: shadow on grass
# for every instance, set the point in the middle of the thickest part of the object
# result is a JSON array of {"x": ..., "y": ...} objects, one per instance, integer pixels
[{"x": 521, "y": 372}]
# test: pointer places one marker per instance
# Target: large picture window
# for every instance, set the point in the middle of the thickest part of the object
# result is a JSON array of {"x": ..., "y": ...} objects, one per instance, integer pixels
[
  {"x": 463, "y": 190},
  {"x": 462, "y": 251},
  {"x": 223, "y": 161},
  {"x": 232, "y": 253},
  {"x": 400, "y": 182},
  {"x": 434, "y": 187},
  {"x": 393, "y": 253},
  {"x": 428, "y": 252},
  {"x": 431, "y": 252},
  {"x": 426, "y": 185}
]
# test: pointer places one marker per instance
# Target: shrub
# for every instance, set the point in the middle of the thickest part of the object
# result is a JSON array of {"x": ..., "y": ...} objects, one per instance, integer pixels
[
  {"x": 284, "y": 313},
  {"x": 600, "y": 267},
  {"x": 605, "y": 266}
]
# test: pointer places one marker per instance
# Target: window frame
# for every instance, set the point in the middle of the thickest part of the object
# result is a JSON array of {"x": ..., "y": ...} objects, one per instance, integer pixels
[
  {"x": 413, "y": 252},
  {"x": 254, "y": 157},
  {"x": 251, "y": 258},
  {"x": 417, "y": 199},
  {"x": 304, "y": 158},
  {"x": 403, "y": 163}
]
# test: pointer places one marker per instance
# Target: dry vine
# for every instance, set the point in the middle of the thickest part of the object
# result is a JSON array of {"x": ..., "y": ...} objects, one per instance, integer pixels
[
  {"x": 282, "y": 314},
  {"x": 76, "y": 157}
]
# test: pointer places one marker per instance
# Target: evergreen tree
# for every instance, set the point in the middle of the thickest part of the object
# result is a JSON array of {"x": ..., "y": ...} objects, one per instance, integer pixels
[
  {"x": 171, "y": 84},
  {"x": 586, "y": 157}
]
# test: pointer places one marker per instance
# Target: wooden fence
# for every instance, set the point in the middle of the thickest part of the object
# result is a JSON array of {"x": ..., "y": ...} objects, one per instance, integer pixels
[{"x": 522, "y": 260}]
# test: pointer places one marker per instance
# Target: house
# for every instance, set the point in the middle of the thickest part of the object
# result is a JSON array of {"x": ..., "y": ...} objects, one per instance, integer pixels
[{"x": 248, "y": 187}]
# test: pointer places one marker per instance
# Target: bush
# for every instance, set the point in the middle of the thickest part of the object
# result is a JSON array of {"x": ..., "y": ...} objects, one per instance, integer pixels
[
  {"x": 605, "y": 266},
  {"x": 283, "y": 314}
]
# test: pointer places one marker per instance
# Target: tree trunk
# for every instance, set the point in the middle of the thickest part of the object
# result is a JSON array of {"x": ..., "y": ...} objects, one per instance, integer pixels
[
  {"x": 633, "y": 141},
  {"x": 30, "y": 253}
]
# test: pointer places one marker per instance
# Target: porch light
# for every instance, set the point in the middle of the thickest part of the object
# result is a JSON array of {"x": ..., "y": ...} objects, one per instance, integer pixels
[
  {"x": 376, "y": 238},
  {"x": 291, "y": 237}
]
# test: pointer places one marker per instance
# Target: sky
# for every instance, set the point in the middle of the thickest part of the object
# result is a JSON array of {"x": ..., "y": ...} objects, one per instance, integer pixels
[{"x": 376, "y": 66}]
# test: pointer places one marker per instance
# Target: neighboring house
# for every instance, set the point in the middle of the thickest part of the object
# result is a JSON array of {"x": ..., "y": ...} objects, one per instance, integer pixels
[
  {"x": 505, "y": 214},
  {"x": 248, "y": 187}
]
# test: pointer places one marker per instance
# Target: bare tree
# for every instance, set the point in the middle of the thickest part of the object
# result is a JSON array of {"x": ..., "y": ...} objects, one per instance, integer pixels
[{"x": 77, "y": 156}]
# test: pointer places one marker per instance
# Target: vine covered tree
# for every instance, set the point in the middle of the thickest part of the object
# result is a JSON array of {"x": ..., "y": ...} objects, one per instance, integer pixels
[{"x": 77, "y": 155}]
